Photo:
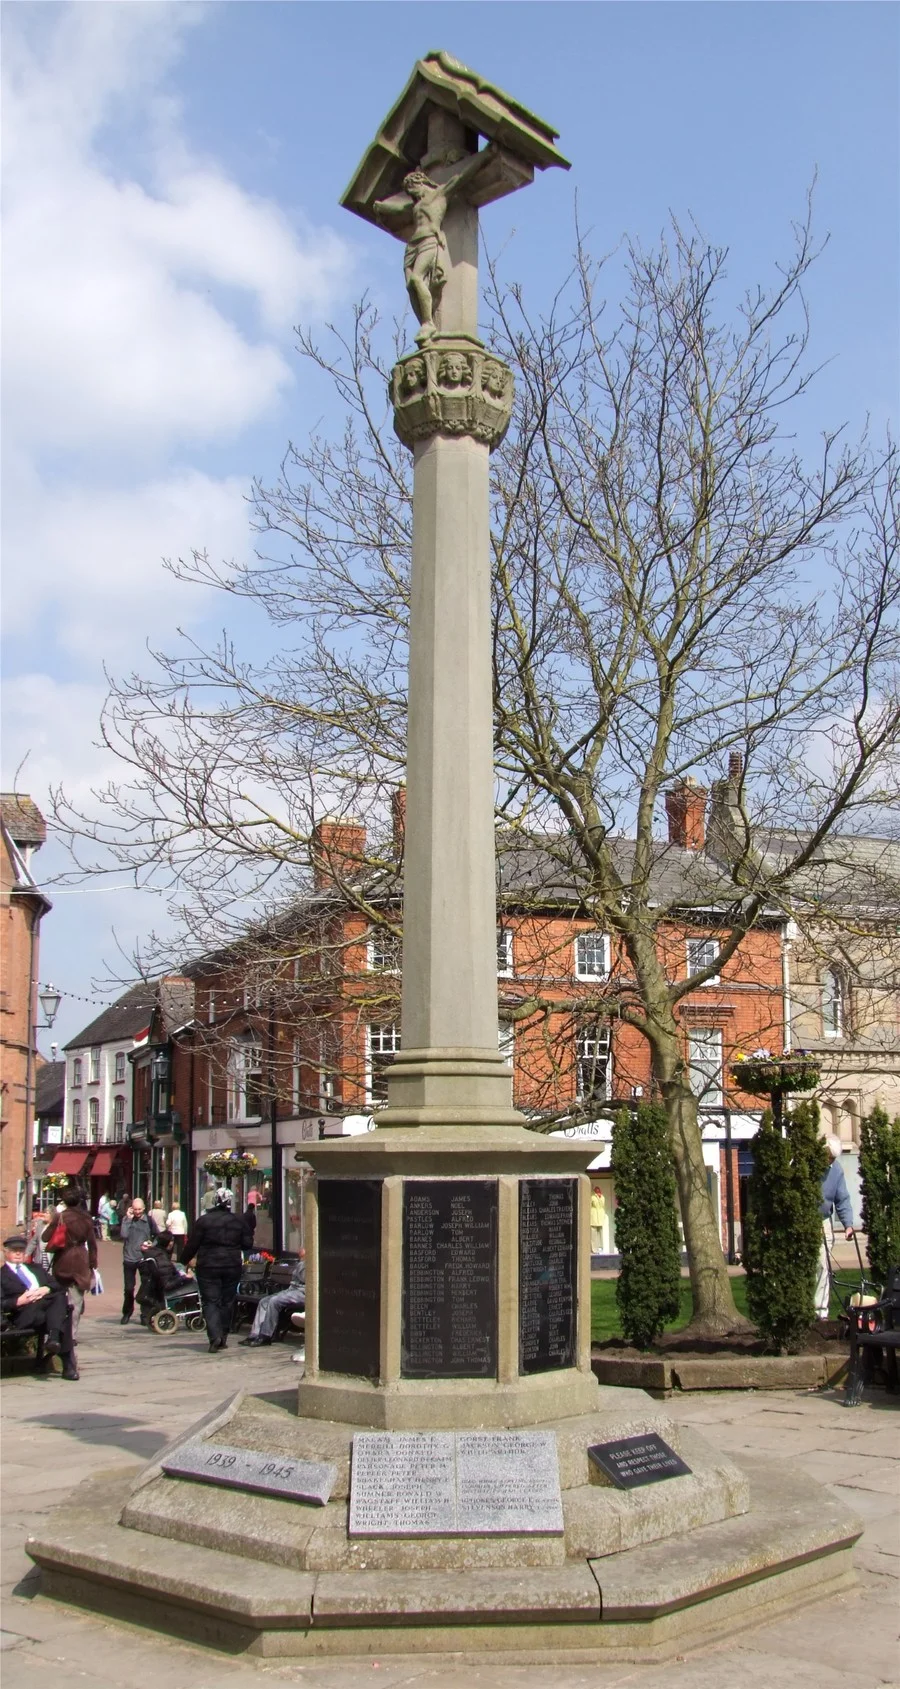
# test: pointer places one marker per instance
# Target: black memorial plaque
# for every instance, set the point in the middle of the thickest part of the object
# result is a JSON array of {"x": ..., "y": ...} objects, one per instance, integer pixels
[
  {"x": 633, "y": 1461},
  {"x": 548, "y": 1273},
  {"x": 350, "y": 1276},
  {"x": 449, "y": 1325}
]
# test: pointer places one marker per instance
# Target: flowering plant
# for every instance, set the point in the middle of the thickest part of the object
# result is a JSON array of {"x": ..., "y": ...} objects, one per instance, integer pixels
[
  {"x": 763, "y": 1074},
  {"x": 230, "y": 1163},
  {"x": 56, "y": 1181}
]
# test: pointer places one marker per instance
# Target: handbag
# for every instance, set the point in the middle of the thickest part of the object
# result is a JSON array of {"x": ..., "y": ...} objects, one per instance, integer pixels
[{"x": 58, "y": 1238}]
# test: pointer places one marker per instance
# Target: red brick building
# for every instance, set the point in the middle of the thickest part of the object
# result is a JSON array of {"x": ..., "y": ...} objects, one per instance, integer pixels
[
  {"x": 22, "y": 909},
  {"x": 292, "y": 1031}
]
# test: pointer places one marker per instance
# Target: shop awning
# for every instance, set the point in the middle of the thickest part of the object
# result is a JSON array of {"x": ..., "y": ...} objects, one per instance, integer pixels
[
  {"x": 103, "y": 1163},
  {"x": 68, "y": 1160}
]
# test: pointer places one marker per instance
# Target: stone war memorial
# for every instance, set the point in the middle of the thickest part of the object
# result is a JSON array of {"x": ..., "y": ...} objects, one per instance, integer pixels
[{"x": 450, "y": 1475}]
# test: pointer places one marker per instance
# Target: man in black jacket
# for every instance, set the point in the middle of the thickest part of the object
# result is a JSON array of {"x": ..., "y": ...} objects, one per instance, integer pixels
[
  {"x": 33, "y": 1301},
  {"x": 219, "y": 1239}
]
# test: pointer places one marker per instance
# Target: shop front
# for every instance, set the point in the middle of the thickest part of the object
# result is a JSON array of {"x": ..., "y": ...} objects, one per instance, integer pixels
[{"x": 212, "y": 1148}]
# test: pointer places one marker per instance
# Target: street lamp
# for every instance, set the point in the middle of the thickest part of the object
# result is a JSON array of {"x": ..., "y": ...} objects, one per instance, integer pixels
[{"x": 49, "y": 999}]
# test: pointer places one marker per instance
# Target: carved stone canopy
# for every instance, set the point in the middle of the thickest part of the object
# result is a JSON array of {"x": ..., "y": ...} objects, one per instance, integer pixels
[{"x": 522, "y": 141}]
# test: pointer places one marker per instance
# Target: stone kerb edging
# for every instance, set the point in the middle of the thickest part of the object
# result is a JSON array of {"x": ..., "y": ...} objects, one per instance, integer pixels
[
  {"x": 453, "y": 386},
  {"x": 663, "y": 1374}
]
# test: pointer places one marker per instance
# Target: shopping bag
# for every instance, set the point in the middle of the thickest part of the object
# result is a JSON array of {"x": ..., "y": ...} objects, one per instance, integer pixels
[{"x": 96, "y": 1284}]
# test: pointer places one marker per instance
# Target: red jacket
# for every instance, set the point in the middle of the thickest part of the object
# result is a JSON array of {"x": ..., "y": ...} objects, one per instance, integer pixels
[{"x": 75, "y": 1263}]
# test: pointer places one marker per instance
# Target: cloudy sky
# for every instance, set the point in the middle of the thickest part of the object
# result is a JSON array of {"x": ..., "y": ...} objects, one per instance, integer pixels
[{"x": 172, "y": 177}]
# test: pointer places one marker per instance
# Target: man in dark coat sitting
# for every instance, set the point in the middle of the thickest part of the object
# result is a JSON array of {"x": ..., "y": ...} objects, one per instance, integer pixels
[{"x": 32, "y": 1300}]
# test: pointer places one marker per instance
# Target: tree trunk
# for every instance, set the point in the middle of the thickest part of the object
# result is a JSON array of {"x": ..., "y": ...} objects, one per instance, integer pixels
[{"x": 714, "y": 1309}]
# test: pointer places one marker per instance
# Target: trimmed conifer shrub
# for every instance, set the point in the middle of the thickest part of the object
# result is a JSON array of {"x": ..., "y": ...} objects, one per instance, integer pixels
[
  {"x": 647, "y": 1290},
  {"x": 783, "y": 1226},
  {"x": 879, "y": 1173}
]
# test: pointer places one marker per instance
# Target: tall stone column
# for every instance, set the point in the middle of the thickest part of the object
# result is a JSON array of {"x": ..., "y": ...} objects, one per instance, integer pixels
[{"x": 452, "y": 403}]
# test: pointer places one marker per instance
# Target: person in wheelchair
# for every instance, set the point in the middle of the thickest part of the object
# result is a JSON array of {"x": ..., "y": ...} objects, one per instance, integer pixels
[{"x": 160, "y": 1276}]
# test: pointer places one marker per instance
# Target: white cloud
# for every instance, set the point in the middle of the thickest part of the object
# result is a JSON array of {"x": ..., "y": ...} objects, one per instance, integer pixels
[
  {"x": 148, "y": 304},
  {"x": 114, "y": 334},
  {"x": 97, "y": 553}
]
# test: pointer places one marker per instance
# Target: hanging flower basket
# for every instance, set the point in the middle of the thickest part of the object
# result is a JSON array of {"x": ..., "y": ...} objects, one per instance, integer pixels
[
  {"x": 57, "y": 1181},
  {"x": 230, "y": 1164},
  {"x": 763, "y": 1075}
]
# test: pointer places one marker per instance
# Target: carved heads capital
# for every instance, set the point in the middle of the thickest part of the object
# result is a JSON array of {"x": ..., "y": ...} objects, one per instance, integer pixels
[{"x": 451, "y": 387}]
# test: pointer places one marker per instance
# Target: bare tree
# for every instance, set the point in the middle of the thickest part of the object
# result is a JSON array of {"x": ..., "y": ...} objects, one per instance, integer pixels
[{"x": 675, "y": 584}]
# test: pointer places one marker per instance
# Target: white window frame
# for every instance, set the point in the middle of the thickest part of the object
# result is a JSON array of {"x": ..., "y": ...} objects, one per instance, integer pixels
[
  {"x": 244, "y": 1058},
  {"x": 211, "y": 1007},
  {"x": 585, "y": 965},
  {"x": 94, "y": 1120},
  {"x": 832, "y": 991},
  {"x": 94, "y": 1066},
  {"x": 326, "y": 1075},
  {"x": 504, "y": 953},
  {"x": 118, "y": 1125},
  {"x": 593, "y": 1045},
  {"x": 77, "y": 1070},
  {"x": 384, "y": 953},
  {"x": 119, "y": 1068},
  {"x": 382, "y": 1044},
  {"x": 506, "y": 1041},
  {"x": 706, "y": 1069},
  {"x": 295, "y": 1074},
  {"x": 695, "y": 963},
  {"x": 76, "y": 1120}
]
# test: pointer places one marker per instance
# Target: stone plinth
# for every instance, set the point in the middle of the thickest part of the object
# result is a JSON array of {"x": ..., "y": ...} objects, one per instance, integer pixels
[{"x": 425, "y": 1309}]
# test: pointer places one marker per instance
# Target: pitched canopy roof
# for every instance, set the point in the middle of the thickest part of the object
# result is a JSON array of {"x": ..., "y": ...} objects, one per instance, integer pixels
[{"x": 439, "y": 80}]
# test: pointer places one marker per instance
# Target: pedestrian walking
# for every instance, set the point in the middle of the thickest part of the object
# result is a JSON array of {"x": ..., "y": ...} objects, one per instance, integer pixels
[
  {"x": 219, "y": 1239},
  {"x": 158, "y": 1214},
  {"x": 137, "y": 1229},
  {"x": 72, "y": 1242},
  {"x": 835, "y": 1200},
  {"x": 177, "y": 1228},
  {"x": 36, "y": 1250},
  {"x": 106, "y": 1213}
]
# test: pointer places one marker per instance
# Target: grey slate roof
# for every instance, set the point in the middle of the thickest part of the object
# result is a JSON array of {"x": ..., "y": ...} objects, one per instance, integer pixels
[
  {"x": 22, "y": 818},
  {"x": 122, "y": 1020},
  {"x": 50, "y": 1090},
  {"x": 132, "y": 1012}
]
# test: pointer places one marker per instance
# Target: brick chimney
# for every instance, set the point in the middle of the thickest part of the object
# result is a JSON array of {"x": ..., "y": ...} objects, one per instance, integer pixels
[
  {"x": 398, "y": 818},
  {"x": 338, "y": 850},
  {"x": 686, "y": 814},
  {"x": 727, "y": 836}
]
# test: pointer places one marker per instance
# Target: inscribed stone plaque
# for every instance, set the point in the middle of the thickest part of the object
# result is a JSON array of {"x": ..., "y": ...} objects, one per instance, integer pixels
[
  {"x": 250, "y": 1469},
  {"x": 455, "y": 1483},
  {"x": 449, "y": 1309},
  {"x": 548, "y": 1273},
  {"x": 637, "y": 1460},
  {"x": 350, "y": 1276}
]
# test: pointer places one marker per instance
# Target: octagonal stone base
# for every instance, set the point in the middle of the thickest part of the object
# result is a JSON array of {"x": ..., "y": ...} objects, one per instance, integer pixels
[{"x": 638, "y": 1574}]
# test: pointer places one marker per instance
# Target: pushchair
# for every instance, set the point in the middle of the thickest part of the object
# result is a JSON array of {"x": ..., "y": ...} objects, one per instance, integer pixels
[
  {"x": 168, "y": 1299},
  {"x": 853, "y": 1298}
]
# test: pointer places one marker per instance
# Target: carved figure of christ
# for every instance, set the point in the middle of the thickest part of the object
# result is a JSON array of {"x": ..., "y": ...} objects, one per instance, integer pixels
[{"x": 421, "y": 210}]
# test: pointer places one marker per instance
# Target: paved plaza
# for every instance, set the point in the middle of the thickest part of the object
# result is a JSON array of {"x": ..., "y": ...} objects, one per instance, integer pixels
[{"x": 137, "y": 1390}]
